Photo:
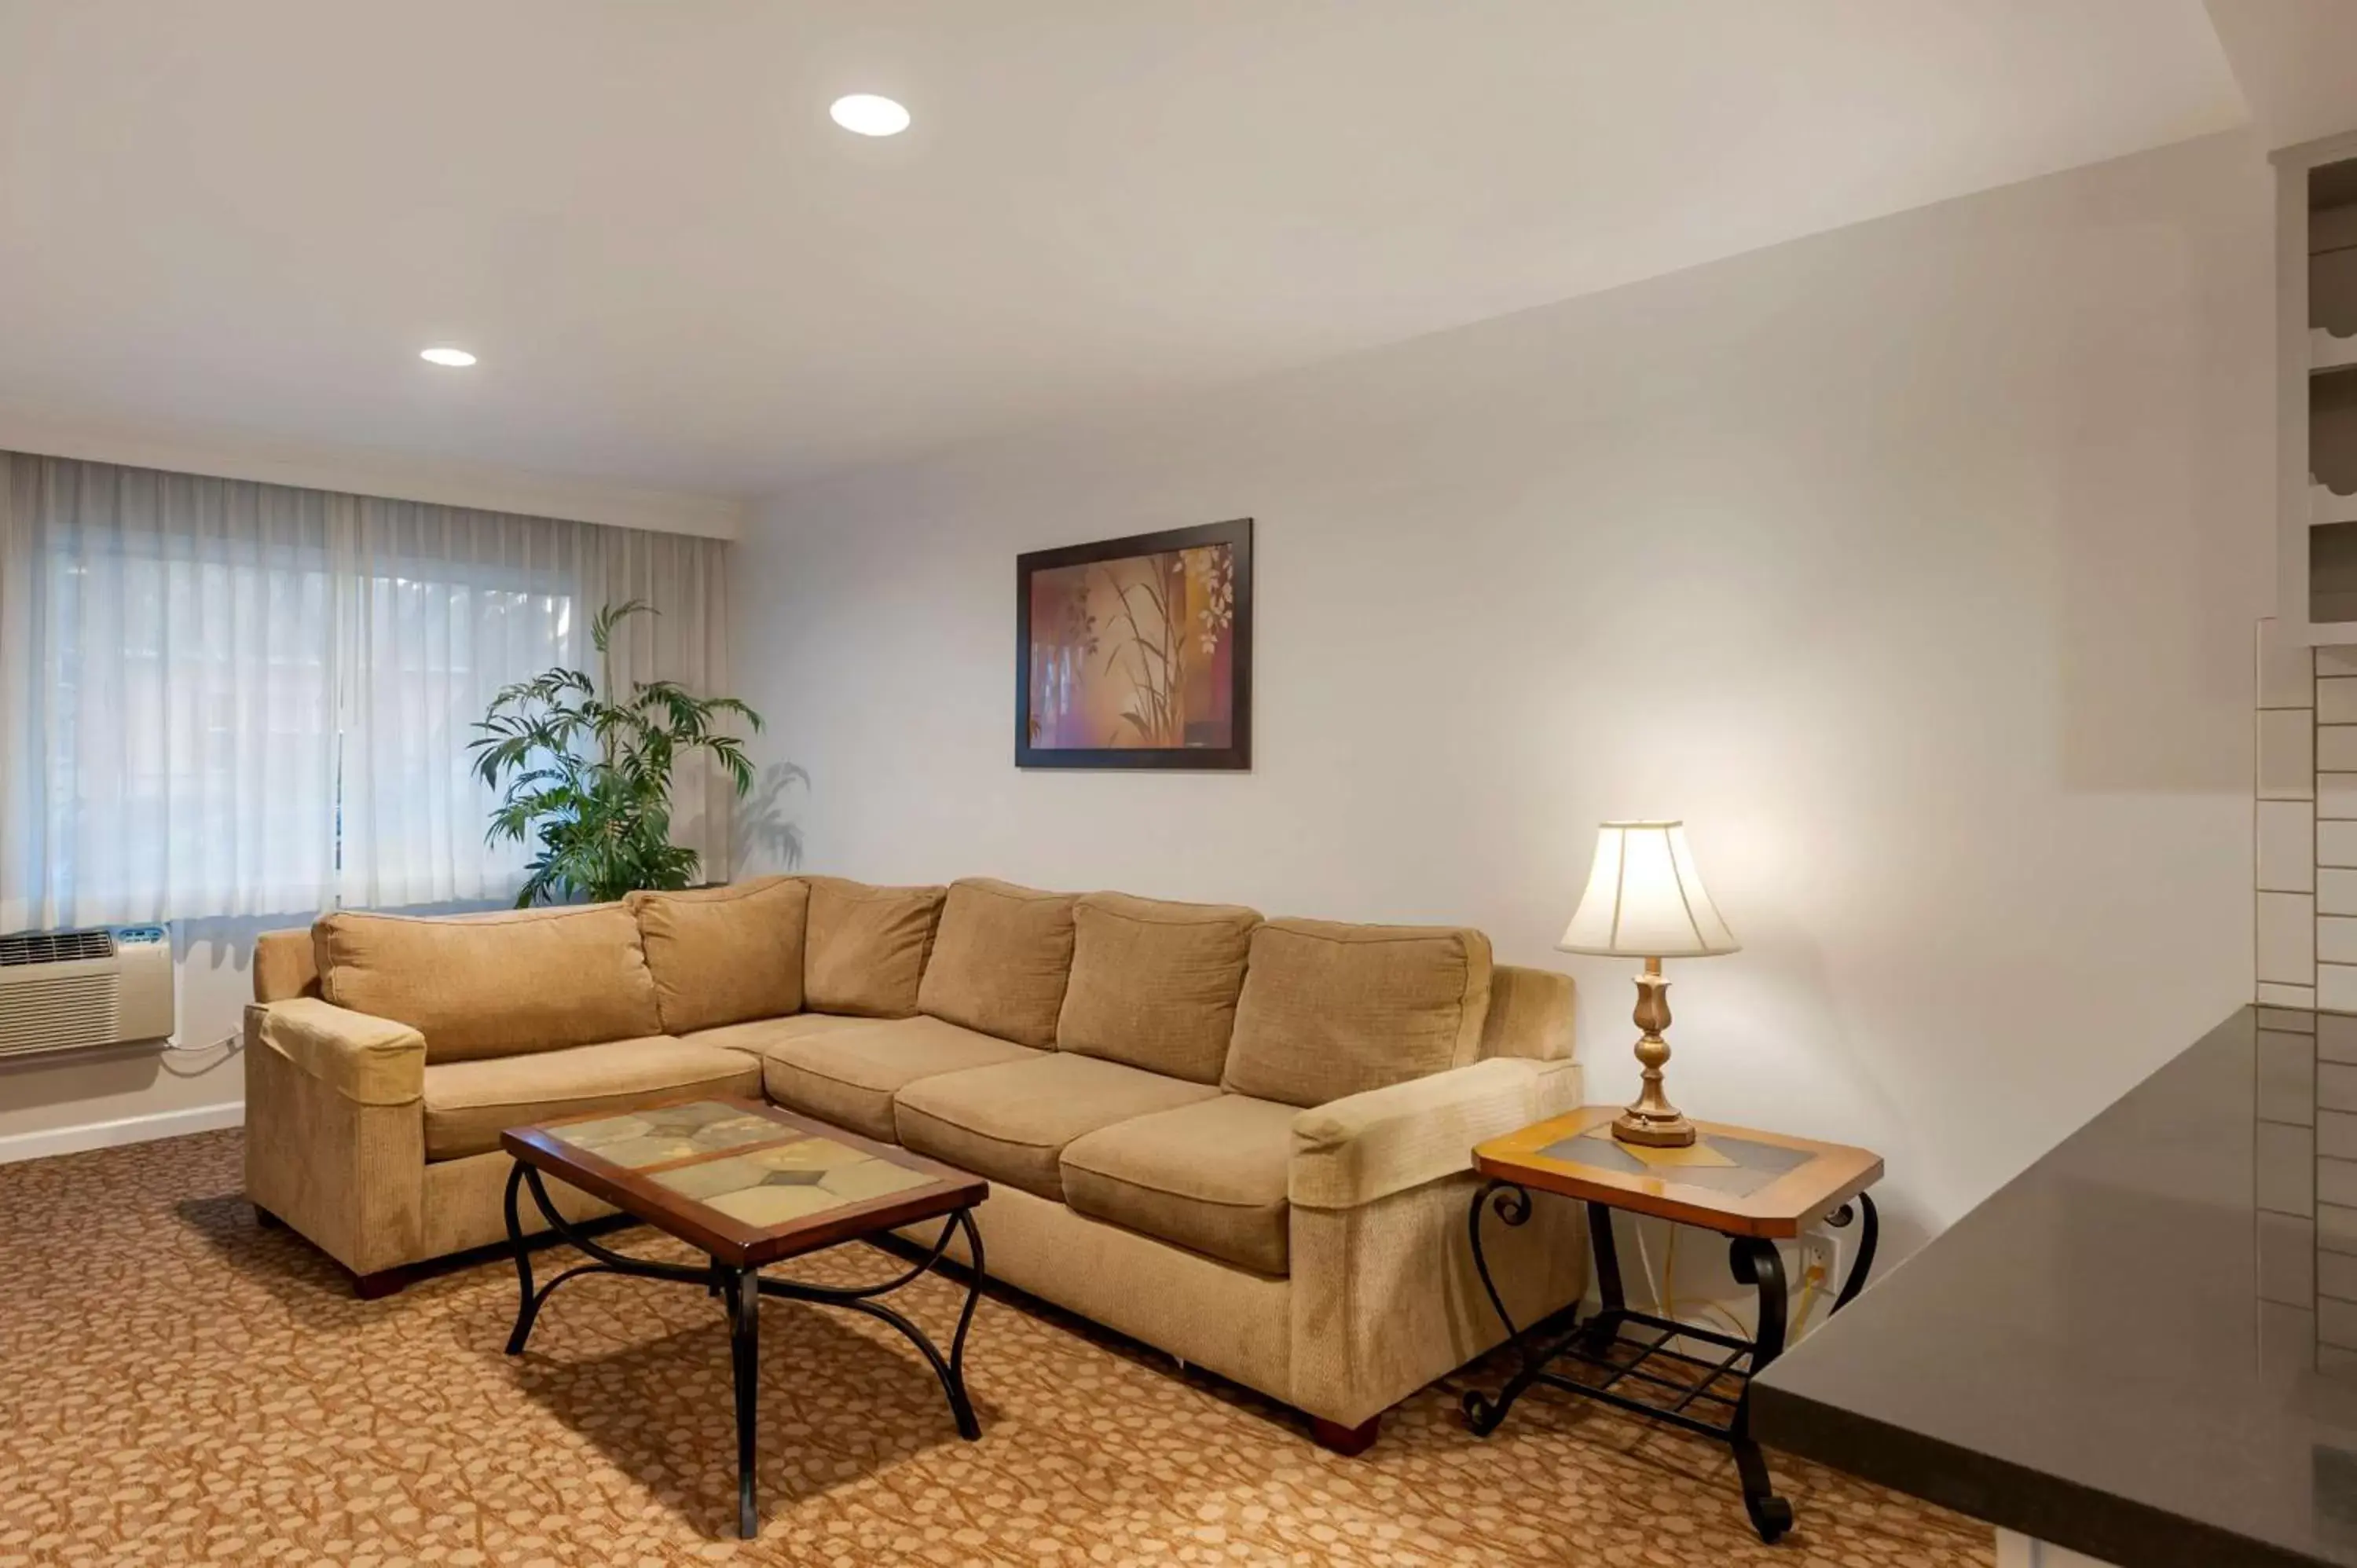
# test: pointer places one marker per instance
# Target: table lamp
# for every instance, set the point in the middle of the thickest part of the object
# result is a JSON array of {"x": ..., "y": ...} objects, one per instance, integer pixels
[{"x": 1644, "y": 900}]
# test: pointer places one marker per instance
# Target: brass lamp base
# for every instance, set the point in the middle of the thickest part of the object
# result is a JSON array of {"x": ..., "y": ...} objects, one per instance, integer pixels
[
  {"x": 1673, "y": 1131},
  {"x": 1652, "y": 1121}
]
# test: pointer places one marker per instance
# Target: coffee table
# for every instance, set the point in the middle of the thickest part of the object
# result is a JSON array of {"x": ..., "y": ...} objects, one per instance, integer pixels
[{"x": 746, "y": 1184}]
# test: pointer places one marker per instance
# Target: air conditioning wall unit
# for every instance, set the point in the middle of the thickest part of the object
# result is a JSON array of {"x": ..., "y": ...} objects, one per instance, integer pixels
[{"x": 63, "y": 991}]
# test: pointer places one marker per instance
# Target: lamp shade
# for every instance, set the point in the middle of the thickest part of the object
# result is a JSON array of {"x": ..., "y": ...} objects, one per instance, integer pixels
[{"x": 1644, "y": 899}]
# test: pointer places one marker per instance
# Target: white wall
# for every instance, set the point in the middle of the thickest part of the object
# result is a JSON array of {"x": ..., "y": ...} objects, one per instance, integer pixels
[{"x": 1914, "y": 565}]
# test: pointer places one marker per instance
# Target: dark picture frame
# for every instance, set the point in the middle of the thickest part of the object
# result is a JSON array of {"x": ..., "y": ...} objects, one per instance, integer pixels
[{"x": 1236, "y": 754}]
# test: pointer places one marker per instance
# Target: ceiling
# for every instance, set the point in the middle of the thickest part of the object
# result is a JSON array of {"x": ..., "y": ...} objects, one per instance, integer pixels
[
  {"x": 246, "y": 217},
  {"x": 2296, "y": 61}
]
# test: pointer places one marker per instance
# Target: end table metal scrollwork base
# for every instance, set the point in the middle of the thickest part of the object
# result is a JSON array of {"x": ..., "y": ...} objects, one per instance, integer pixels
[
  {"x": 740, "y": 1290},
  {"x": 1591, "y": 1341}
]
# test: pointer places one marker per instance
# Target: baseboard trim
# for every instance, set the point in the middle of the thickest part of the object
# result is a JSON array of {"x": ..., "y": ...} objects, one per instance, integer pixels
[{"x": 123, "y": 1129}]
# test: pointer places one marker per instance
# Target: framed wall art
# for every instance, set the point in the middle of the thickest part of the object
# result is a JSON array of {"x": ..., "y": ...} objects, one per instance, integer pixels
[{"x": 1136, "y": 652}]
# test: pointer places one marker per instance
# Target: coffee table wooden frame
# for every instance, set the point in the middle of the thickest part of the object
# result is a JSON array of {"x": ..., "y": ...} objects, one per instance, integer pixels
[{"x": 737, "y": 1250}]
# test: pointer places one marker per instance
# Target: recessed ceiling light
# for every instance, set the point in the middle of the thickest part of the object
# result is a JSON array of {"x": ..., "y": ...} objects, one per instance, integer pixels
[
  {"x": 869, "y": 116},
  {"x": 451, "y": 356}
]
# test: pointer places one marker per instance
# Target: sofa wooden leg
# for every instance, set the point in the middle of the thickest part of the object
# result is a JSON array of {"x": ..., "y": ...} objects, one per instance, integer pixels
[
  {"x": 377, "y": 1286},
  {"x": 264, "y": 1219},
  {"x": 1347, "y": 1441}
]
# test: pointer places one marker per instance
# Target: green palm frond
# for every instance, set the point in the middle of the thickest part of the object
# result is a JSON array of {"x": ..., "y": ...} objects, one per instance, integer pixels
[{"x": 584, "y": 772}]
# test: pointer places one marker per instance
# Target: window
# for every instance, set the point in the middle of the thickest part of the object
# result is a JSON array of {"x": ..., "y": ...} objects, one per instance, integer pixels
[{"x": 226, "y": 698}]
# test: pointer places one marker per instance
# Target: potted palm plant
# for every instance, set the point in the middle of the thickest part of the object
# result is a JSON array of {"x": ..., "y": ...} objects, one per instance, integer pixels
[{"x": 584, "y": 772}]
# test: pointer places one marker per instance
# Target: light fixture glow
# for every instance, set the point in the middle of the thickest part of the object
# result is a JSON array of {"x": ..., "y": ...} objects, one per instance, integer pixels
[
  {"x": 869, "y": 116},
  {"x": 451, "y": 356}
]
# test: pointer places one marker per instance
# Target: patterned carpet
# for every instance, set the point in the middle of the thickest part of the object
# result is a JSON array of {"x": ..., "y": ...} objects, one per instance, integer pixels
[{"x": 178, "y": 1386}]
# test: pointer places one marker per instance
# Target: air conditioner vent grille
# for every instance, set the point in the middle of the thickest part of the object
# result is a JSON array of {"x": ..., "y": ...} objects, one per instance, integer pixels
[
  {"x": 58, "y": 1013},
  {"x": 55, "y": 946}
]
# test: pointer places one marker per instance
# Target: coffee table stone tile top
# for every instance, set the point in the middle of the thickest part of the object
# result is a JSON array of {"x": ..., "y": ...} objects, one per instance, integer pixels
[
  {"x": 644, "y": 1138},
  {"x": 1716, "y": 1162},
  {"x": 789, "y": 1181}
]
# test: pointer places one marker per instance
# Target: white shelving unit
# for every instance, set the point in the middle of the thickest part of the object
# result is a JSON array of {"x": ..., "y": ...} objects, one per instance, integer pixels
[{"x": 2316, "y": 255}]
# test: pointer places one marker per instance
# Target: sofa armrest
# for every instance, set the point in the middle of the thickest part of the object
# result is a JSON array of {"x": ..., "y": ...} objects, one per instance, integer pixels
[
  {"x": 1350, "y": 1152},
  {"x": 368, "y": 1060}
]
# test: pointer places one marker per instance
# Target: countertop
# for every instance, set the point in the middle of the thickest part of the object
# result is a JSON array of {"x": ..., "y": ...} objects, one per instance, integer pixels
[{"x": 2145, "y": 1347}]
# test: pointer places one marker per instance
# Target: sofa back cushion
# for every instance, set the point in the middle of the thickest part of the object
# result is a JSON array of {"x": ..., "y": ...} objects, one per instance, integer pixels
[
  {"x": 1329, "y": 1010},
  {"x": 284, "y": 966},
  {"x": 1000, "y": 960},
  {"x": 493, "y": 985},
  {"x": 1530, "y": 1014},
  {"x": 1153, "y": 983},
  {"x": 865, "y": 951},
  {"x": 725, "y": 955}
]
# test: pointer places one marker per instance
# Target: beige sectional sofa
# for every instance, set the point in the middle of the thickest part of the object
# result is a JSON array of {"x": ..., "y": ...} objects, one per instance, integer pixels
[{"x": 1245, "y": 1142}]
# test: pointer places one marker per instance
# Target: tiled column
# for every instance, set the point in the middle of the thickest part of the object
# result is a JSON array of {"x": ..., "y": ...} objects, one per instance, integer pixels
[
  {"x": 2290, "y": 830},
  {"x": 2307, "y": 824},
  {"x": 2336, "y": 829},
  {"x": 2286, "y": 1177},
  {"x": 2304, "y": 1191}
]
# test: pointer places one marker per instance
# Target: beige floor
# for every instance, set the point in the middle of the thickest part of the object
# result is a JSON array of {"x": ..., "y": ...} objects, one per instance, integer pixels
[{"x": 178, "y": 1387}]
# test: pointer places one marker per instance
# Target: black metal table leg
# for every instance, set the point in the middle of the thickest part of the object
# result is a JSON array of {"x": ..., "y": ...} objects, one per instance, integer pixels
[
  {"x": 1594, "y": 1334},
  {"x": 1514, "y": 1206},
  {"x": 1869, "y": 1232},
  {"x": 1756, "y": 1263},
  {"x": 608, "y": 1261},
  {"x": 527, "y": 1304},
  {"x": 1611, "y": 1306},
  {"x": 741, "y": 1288},
  {"x": 960, "y": 1405}
]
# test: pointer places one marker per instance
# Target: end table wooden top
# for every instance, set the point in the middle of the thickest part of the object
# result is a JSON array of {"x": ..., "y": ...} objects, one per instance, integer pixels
[{"x": 1737, "y": 1181}]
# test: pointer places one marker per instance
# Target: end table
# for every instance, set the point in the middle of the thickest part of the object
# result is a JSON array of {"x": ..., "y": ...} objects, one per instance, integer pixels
[{"x": 1754, "y": 1187}]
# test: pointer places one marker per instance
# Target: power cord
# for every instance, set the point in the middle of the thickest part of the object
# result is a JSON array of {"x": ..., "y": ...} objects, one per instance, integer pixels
[
  {"x": 188, "y": 1062},
  {"x": 1727, "y": 1319},
  {"x": 1811, "y": 1280}
]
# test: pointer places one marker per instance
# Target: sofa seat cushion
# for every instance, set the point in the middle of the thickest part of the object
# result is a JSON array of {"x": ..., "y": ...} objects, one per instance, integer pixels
[
  {"x": 755, "y": 1036},
  {"x": 1209, "y": 1177},
  {"x": 1330, "y": 1010},
  {"x": 469, "y": 1103},
  {"x": 1011, "y": 1122},
  {"x": 849, "y": 1076},
  {"x": 721, "y": 955}
]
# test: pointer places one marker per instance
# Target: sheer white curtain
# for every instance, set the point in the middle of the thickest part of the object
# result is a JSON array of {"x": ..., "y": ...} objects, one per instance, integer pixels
[
  {"x": 686, "y": 579},
  {"x": 168, "y": 703},
  {"x": 450, "y": 605},
  {"x": 219, "y": 697}
]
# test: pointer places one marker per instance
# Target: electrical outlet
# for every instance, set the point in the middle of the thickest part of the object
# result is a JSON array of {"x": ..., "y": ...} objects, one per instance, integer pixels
[{"x": 1826, "y": 1253}]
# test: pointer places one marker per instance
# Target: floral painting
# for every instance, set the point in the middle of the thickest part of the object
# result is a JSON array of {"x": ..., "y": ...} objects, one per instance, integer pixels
[{"x": 1136, "y": 652}]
